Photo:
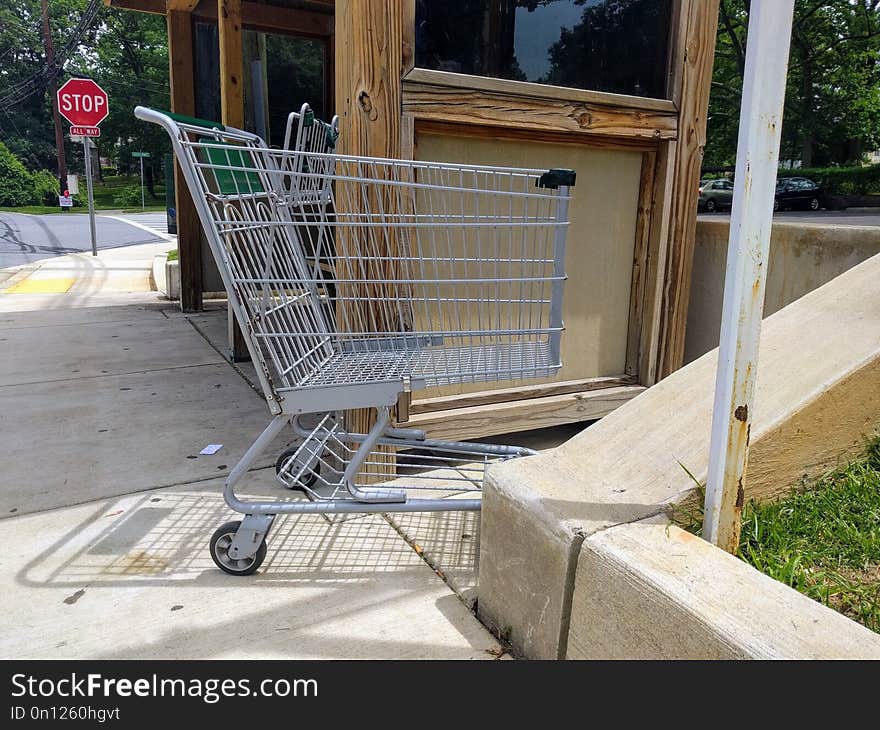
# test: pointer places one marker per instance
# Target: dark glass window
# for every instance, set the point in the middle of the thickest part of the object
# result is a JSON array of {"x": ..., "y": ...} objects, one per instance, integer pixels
[
  {"x": 619, "y": 46},
  {"x": 281, "y": 72}
]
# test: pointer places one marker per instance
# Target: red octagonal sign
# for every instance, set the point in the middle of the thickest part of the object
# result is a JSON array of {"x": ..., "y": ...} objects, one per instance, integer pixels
[{"x": 82, "y": 102}]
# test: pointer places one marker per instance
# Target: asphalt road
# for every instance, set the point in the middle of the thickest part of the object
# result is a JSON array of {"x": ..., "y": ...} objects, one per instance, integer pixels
[
  {"x": 850, "y": 217},
  {"x": 26, "y": 238}
]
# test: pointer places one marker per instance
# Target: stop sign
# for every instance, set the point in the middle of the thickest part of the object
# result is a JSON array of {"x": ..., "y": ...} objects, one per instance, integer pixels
[{"x": 82, "y": 102}]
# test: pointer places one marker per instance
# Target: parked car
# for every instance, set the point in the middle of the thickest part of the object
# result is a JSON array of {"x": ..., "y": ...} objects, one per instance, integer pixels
[
  {"x": 798, "y": 192},
  {"x": 715, "y": 195}
]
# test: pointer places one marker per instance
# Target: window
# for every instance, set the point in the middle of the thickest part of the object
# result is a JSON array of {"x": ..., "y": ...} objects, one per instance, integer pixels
[
  {"x": 618, "y": 46},
  {"x": 281, "y": 72}
]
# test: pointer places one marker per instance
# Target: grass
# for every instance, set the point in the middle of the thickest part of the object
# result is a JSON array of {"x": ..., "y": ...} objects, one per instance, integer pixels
[
  {"x": 47, "y": 210},
  {"x": 823, "y": 541},
  {"x": 104, "y": 194},
  {"x": 35, "y": 209}
]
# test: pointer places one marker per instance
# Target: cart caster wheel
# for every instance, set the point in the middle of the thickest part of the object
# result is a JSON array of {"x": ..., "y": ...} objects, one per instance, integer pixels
[
  {"x": 221, "y": 540},
  {"x": 308, "y": 479}
]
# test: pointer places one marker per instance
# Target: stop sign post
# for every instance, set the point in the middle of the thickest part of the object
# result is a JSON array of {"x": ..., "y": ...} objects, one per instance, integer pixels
[{"x": 85, "y": 105}]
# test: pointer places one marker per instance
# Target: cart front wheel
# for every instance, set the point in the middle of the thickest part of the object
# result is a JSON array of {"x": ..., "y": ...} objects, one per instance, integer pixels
[{"x": 221, "y": 541}]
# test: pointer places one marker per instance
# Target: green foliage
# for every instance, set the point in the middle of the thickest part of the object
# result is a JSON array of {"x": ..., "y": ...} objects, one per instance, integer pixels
[
  {"x": 615, "y": 48},
  {"x": 16, "y": 183},
  {"x": 825, "y": 542},
  {"x": 832, "y": 104},
  {"x": 841, "y": 180},
  {"x": 125, "y": 52},
  {"x": 127, "y": 197},
  {"x": 45, "y": 188}
]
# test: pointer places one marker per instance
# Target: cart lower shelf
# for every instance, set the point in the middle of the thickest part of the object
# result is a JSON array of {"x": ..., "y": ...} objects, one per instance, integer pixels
[{"x": 416, "y": 467}]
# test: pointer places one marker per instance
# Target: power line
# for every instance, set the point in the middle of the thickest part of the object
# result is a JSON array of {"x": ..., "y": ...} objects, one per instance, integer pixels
[{"x": 22, "y": 90}]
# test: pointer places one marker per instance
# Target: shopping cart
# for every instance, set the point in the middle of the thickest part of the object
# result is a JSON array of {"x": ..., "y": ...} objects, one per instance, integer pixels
[{"x": 394, "y": 277}]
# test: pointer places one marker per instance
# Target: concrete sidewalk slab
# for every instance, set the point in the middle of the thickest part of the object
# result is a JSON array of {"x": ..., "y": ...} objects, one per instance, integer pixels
[
  {"x": 71, "y": 441},
  {"x": 73, "y": 300},
  {"x": 212, "y": 325},
  {"x": 134, "y": 575},
  {"x": 141, "y": 341},
  {"x": 449, "y": 542},
  {"x": 54, "y": 317}
]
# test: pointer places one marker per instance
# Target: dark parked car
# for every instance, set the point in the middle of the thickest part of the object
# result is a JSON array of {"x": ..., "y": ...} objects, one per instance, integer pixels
[
  {"x": 798, "y": 192},
  {"x": 715, "y": 195}
]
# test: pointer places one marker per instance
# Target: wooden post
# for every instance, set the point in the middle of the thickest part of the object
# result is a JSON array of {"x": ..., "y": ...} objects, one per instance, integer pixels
[
  {"x": 232, "y": 113},
  {"x": 189, "y": 238},
  {"x": 231, "y": 63},
  {"x": 368, "y": 43},
  {"x": 692, "y": 73}
]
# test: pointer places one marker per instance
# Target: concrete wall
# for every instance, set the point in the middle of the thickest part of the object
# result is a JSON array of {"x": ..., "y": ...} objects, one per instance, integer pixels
[
  {"x": 803, "y": 256},
  {"x": 650, "y": 591},
  {"x": 818, "y": 396}
]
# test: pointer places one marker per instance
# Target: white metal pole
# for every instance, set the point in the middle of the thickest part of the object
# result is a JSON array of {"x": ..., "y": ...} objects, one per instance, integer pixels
[
  {"x": 757, "y": 158},
  {"x": 141, "y": 158},
  {"x": 87, "y": 154}
]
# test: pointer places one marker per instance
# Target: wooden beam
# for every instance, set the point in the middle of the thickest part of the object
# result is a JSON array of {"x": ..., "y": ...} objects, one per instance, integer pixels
[
  {"x": 693, "y": 61},
  {"x": 232, "y": 113},
  {"x": 185, "y": 6},
  {"x": 368, "y": 42},
  {"x": 490, "y": 420},
  {"x": 504, "y": 108},
  {"x": 368, "y": 61},
  {"x": 658, "y": 248},
  {"x": 520, "y": 393},
  {"x": 231, "y": 64},
  {"x": 255, "y": 15},
  {"x": 537, "y": 91},
  {"x": 408, "y": 38},
  {"x": 258, "y": 16},
  {"x": 189, "y": 231},
  {"x": 514, "y": 134},
  {"x": 639, "y": 285},
  {"x": 156, "y": 7}
]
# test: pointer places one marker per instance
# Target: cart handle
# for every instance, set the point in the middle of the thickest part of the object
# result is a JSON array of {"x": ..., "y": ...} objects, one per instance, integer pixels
[
  {"x": 556, "y": 177},
  {"x": 169, "y": 121},
  {"x": 192, "y": 121},
  {"x": 148, "y": 114}
]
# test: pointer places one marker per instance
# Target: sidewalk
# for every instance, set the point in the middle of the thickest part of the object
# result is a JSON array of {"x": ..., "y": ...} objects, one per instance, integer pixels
[
  {"x": 107, "y": 394},
  {"x": 83, "y": 279}
]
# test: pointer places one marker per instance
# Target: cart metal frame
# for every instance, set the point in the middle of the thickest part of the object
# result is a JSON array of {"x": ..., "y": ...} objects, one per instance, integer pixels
[{"x": 355, "y": 280}]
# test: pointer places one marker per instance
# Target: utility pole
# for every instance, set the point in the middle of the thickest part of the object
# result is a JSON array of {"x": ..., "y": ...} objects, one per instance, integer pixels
[{"x": 53, "y": 95}]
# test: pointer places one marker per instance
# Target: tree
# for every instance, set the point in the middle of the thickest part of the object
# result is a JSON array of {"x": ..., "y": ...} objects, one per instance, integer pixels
[
  {"x": 832, "y": 104},
  {"x": 130, "y": 61},
  {"x": 618, "y": 46},
  {"x": 125, "y": 52}
]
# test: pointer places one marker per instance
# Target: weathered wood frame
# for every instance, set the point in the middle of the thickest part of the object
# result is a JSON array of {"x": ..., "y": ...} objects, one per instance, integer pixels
[{"x": 384, "y": 101}]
